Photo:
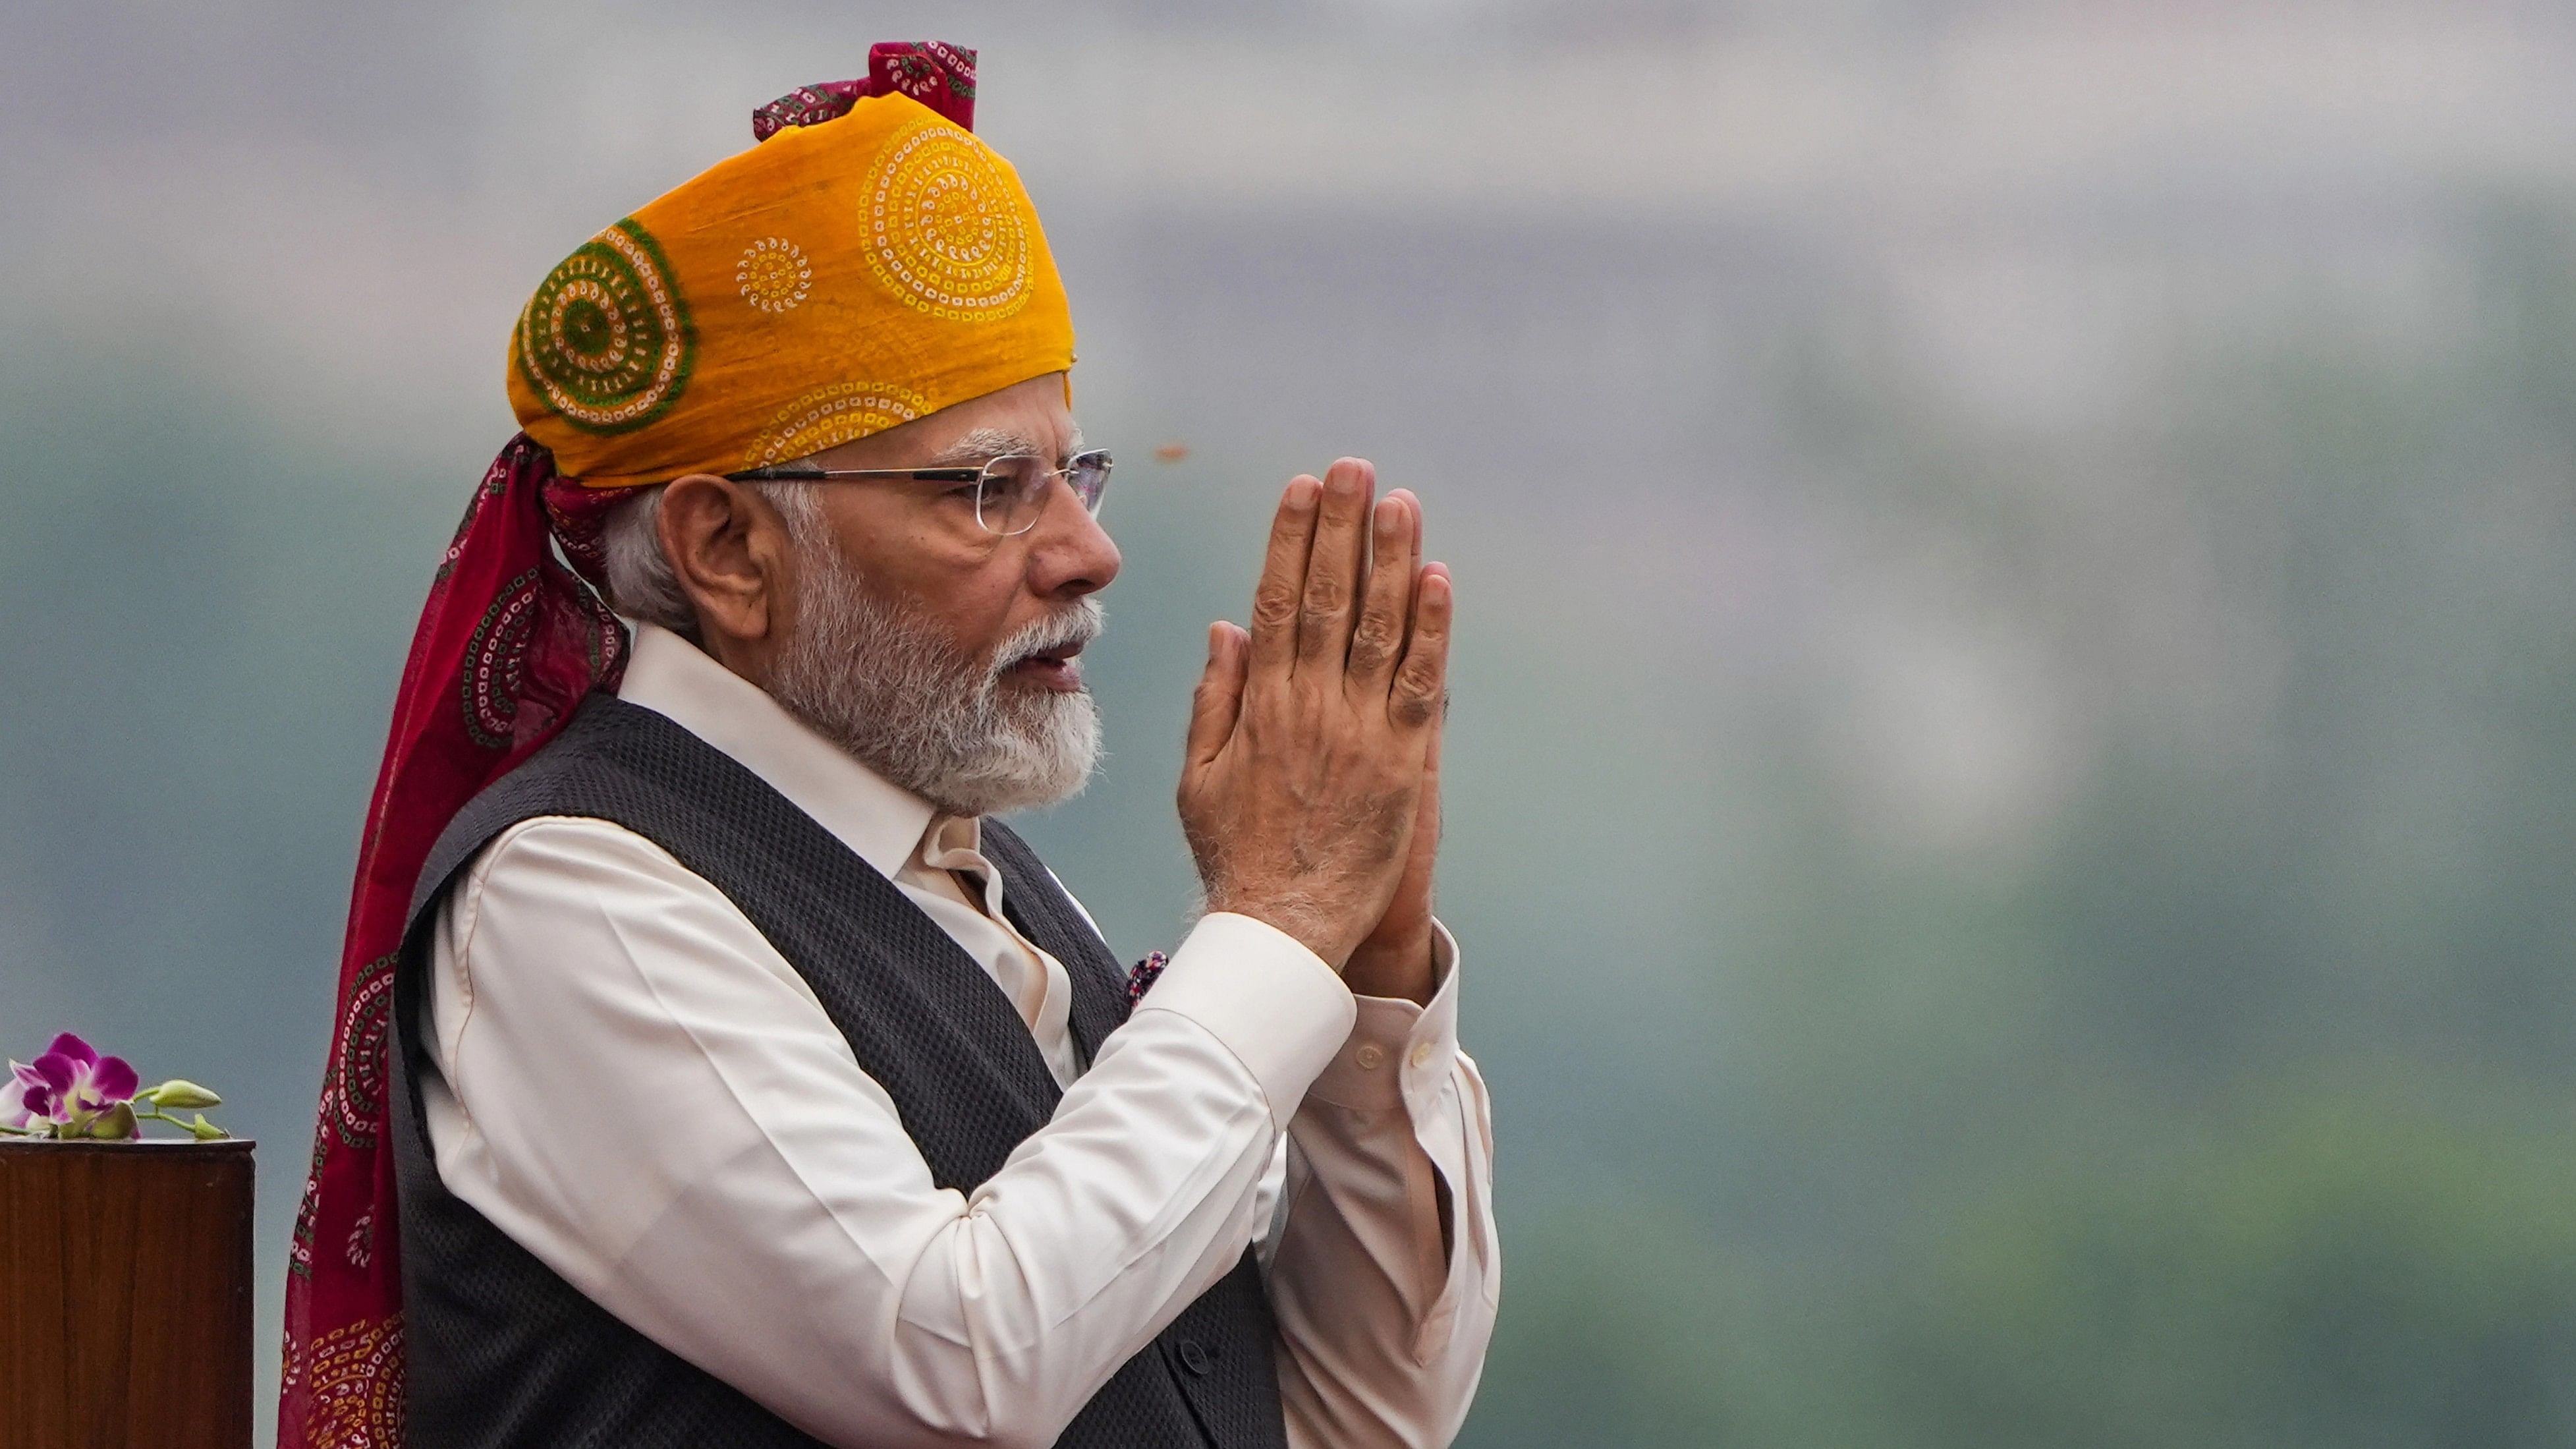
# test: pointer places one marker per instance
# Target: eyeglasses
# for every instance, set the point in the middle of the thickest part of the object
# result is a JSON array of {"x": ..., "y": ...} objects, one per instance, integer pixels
[{"x": 1010, "y": 492}]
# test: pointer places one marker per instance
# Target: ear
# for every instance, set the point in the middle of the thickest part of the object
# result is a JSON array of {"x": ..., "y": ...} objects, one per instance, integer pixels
[{"x": 729, "y": 550}]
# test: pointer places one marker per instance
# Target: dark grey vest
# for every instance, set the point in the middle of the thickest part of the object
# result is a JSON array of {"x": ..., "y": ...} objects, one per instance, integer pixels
[{"x": 503, "y": 1352}]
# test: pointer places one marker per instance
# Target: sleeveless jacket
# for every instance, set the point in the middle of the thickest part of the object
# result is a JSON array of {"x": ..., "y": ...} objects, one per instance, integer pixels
[{"x": 504, "y": 1352}]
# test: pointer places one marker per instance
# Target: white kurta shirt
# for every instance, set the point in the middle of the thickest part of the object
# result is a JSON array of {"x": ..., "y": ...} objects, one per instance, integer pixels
[{"x": 635, "y": 1086}]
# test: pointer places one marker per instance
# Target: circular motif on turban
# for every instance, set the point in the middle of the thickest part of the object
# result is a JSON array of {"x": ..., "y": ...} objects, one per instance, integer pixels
[
  {"x": 773, "y": 274},
  {"x": 945, "y": 230},
  {"x": 830, "y": 416},
  {"x": 606, "y": 340}
]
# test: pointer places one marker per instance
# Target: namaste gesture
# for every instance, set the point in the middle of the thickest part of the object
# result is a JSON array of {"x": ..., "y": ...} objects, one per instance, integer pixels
[{"x": 1309, "y": 791}]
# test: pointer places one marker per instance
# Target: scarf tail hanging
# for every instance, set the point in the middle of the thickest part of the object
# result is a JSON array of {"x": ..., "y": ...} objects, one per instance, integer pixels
[{"x": 508, "y": 644}]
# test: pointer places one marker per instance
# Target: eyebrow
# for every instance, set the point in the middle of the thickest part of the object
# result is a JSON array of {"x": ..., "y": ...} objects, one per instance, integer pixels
[{"x": 985, "y": 444}]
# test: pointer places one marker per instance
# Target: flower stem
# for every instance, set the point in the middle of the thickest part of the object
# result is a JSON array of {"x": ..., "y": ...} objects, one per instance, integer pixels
[{"x": 157, "y": 1115}]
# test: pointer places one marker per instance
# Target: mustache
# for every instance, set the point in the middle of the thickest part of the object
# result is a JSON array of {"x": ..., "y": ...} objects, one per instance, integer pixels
[{"x": 1075, "y": 627}]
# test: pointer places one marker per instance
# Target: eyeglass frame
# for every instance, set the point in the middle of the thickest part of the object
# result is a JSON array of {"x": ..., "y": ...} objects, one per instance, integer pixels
[{"x": 980, "y": 475}]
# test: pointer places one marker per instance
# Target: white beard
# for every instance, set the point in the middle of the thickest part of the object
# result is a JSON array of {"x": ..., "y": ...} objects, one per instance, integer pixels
[{"x": 884, "y": 684}]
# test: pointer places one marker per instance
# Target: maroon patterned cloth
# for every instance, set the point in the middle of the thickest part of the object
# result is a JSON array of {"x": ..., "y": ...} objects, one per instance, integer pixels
[
  {"x": 508, "y": 644},
  {"x": 939, "y": 76}
]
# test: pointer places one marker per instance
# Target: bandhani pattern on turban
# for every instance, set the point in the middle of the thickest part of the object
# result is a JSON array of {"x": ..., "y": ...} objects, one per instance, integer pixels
[
  {"x": 869, "y": 261},
  {"x": 851, "y": 272}
]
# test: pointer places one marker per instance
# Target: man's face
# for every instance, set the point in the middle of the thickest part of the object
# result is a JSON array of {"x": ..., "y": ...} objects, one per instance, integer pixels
[
  {"x": 916, "y": 547},
  {"x": 940, "y": 652}
]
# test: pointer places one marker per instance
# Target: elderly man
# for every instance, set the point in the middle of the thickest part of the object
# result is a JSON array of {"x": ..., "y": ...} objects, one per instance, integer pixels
[{"x": 712, "y": 1069}]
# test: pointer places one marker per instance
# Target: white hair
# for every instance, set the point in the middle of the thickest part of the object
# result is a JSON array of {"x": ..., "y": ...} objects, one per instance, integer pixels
[{"x": 641, "y": 582}]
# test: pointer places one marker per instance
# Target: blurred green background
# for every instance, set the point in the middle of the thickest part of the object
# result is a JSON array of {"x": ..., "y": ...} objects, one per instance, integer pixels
[{"x": 2011, "y": 808}]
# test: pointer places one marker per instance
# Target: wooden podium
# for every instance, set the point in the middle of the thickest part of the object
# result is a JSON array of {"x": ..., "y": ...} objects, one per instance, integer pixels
[{"x": 125, "y": 1295}]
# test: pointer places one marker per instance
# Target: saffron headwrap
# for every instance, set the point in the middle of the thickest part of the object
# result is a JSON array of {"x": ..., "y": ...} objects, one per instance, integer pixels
[
  {"x": 869, "y": 261},
  {"x": 849, "y": 273}
]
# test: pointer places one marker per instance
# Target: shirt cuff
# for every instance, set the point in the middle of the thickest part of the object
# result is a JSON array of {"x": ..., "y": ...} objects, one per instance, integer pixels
[
  {"x": 1398, "y": 1053},
  {"x": 1273, "y": 1003}
]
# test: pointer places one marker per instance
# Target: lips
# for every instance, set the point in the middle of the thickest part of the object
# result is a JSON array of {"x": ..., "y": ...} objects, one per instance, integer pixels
[
  {"x": 1055, "y": 667},
  {"x": 1044, "y": 654}
]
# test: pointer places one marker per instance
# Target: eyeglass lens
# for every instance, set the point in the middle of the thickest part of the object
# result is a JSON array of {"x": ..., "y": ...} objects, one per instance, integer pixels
[{"x": 1014, "y": 488}]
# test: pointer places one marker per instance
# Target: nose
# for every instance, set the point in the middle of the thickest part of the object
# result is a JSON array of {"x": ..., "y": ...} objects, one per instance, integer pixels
[{"x": 1070, "y": 554}]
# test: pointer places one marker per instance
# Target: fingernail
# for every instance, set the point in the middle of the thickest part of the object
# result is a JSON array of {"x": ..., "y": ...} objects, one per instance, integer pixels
[
  {"x": 1302, "y": 492},
  {"x": 1389, "y": 517}
]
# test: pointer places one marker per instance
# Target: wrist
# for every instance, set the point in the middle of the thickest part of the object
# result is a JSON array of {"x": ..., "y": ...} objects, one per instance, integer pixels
[
  {"x": 1401, "y": 970},
  {"x": 1291, "y": 917}
]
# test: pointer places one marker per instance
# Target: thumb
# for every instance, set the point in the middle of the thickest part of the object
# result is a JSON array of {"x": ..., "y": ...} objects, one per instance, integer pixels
[{"x": 1219, "y": 698}]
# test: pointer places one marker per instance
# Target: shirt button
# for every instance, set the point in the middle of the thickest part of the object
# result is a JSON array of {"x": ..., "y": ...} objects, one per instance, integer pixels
[
  {"x": 1193, "y": 1357},
  {"x": 1421, "y": 1054},
  {"x": 1368, "y": 1056}
]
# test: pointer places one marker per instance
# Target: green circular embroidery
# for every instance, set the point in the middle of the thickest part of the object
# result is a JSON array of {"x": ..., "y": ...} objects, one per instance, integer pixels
[{"x": 606, "y": 340}]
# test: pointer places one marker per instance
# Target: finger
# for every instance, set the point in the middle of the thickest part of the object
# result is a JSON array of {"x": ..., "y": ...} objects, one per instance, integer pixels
[
  {"x": 1422, "y": 681},
  {"x": 1414, "y": 504},
  {"x": 1333, "y": 570},
  {"x": 1283, "y": 577},
  {"x": 1426, "y": 818},
  {"x": 1378, "y": 638},
  {"x": 1413, "y": 579},
  {"x": 1218, "y": 702}
]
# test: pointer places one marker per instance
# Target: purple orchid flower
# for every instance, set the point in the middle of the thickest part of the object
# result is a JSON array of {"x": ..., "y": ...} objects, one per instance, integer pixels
[{"x": 71, "y": 1090}]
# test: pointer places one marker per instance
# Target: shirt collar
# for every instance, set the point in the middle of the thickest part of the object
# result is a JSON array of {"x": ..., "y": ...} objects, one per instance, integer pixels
[{"x": 870, "y": 814}]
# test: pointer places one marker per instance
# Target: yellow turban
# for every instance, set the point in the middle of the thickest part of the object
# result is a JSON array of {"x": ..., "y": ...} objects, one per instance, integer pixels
[{"x": 835, "y": 280}]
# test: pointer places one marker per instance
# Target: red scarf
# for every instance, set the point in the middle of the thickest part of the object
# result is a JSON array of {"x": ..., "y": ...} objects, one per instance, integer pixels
[{"x": 508, "y": 644}]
